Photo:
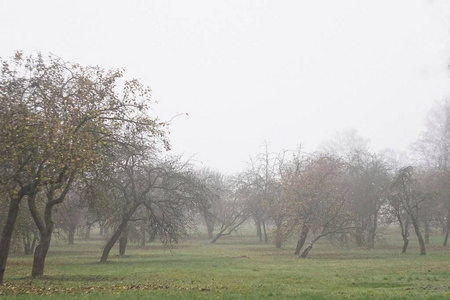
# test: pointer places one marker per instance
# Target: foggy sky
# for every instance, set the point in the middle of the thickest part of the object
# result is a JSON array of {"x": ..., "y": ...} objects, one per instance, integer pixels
[{"x": 247, "y": 72}]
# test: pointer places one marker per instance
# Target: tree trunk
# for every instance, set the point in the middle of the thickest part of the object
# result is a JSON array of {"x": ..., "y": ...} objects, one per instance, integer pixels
[
  {"x": 447, "y": 229},
  {"x": 112, "y": 241},
  {"x": 427, "y": 232},
  {"x": 29, "y": 241},
  {"x": 404, "y": 227},
  {"x": 218, "y": 236},
  {"x": 71, "y": 234},
  {"x": 416, "y": 227},
  {"x": 143, "y": 235},
  {"x": 266, "y": 238},
  {"x": 87, "y": 235},
  {"x": 45, "y": 231},
  {"x": 7, "y": 233},
  {"x": 359, "y": 237},
  {"x": 209, "y": 228},
  {"x": 118, "y": 233},
  {"x": 373, "y": 231},
  {"x": 405, "y": 244},
  {"x": 278, "y": 235},
  {"x": 123, "y": 241},
  {"x": 309, "y": 247},
  {"x": 302, "y": 239},
  {"x": 258, "y": 229},
  {"x": 40, "y": 253}
]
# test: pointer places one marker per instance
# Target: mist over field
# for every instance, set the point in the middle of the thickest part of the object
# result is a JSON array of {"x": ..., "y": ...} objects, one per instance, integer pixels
[{"x": 225, "y": 149}]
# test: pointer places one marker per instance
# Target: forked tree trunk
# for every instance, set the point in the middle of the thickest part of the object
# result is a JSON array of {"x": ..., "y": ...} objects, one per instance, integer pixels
[
  {"x": 218, "y": 236},
  {"x": 309, "y": 247},
  {"x": 7, "y": 233},
  {"x": 301, "y": 241},
  {"x": 229, "y": 228}
]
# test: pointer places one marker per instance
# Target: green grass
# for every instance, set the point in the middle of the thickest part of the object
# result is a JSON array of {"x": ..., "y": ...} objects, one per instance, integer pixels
[{"x": 237, "y": 267}]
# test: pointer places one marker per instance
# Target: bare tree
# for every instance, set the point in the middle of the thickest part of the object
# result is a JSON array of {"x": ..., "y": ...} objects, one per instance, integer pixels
[{"x": 232, "y": 209}]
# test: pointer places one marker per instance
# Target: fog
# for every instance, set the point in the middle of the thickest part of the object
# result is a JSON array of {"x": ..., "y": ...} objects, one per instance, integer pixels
[{"x": 233, "y": 75}]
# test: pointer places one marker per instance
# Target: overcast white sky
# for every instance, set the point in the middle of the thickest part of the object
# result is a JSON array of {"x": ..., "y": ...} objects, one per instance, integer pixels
[{"x": 246, "y": 72}]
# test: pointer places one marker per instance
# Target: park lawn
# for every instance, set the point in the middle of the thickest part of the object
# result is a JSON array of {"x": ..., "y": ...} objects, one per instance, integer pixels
[{"x": 237, "y": 267}]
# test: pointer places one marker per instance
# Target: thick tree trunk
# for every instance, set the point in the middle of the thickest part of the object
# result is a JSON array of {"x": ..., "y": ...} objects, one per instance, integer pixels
[
  {"x": 309, "y": 247},
  {"x": 405, "y": 245},
  {"x": 40, "y": 254},
  {"x": 123, "y": 241},
  {"x": 301, "y": 241},
  {"x": 7, "y": 233},
  {"x": 45, "y": 231}
]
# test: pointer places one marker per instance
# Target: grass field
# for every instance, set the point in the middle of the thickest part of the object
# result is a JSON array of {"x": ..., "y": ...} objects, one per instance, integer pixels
[{"x": 237, "y": 267}]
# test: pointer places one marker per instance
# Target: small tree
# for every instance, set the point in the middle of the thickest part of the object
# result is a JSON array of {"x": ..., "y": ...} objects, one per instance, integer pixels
[
  {"x": 409, "y": 199},
  {"x": 320, "y": 200},
  {"x": 232, "y": 209}
]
